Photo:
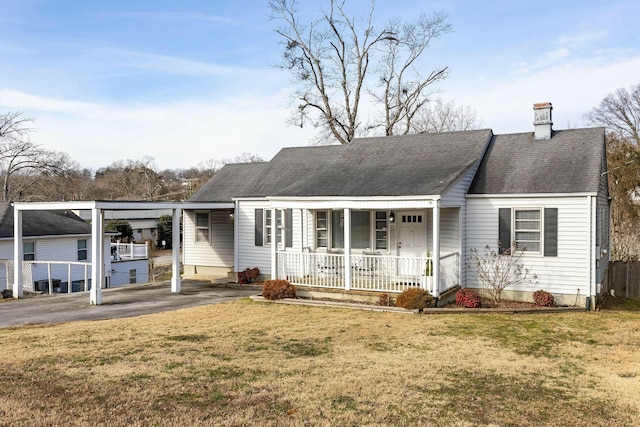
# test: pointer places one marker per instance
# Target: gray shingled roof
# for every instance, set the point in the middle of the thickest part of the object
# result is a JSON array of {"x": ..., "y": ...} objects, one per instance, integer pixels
[
  {"x": 42, "y": 223},
  {"x": 569, "y": 162},
  {"x": 408, "y": 165}
]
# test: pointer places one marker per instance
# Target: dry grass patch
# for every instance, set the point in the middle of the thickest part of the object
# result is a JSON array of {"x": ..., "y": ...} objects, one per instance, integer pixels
[{"x": 247, "y": 363}]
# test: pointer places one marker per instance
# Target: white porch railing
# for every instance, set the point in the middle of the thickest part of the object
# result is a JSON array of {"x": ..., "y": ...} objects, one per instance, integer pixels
[
  {"x": 384, "y": 273},
  {"x": 48, "y": 276},
  {"x": 128, "y": 251}
]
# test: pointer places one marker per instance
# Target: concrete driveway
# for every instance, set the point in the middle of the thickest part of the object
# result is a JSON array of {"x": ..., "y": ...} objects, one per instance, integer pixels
[{"x": 125, "y": 301}]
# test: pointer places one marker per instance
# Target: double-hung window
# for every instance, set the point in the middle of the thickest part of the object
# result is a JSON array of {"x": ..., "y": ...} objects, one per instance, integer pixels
[
  {"x": 82, "y": 250},
  {"x": 29, "y": 251},
  {"x": 202, "y": 227},
  {"x": 322, "y": 227},
  {"x": 527, "y": 229},
  {"x": 368, "y": 229},
  {"x": 534, "y": 230}
]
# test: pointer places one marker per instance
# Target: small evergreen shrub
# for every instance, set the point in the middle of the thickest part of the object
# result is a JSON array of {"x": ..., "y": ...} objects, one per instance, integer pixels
[
  {"x": 543, "y": 299},
  {"x": 278, "y": 289},
  {"x": 386, "y": 300},
  {"x": 468, "y": 298},
  {"x": 247, "y": 276},
  {"x": 414, "y": 299}
]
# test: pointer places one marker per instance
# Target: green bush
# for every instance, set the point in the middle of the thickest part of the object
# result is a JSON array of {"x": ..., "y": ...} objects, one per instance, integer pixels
[
  {"x": 414, "y": 299},
  {"x": 278, "y": 289}
]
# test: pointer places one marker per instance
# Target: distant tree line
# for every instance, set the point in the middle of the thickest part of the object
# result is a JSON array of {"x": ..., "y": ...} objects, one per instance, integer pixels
[{"x": 29, "y": 172}]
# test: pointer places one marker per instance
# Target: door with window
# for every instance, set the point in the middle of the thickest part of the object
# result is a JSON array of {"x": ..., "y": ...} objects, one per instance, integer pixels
[{"x": 412, "y": 240}]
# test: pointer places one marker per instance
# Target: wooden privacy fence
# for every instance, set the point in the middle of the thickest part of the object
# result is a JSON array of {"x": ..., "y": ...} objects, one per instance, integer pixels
[{"x": 624, "y": 278}]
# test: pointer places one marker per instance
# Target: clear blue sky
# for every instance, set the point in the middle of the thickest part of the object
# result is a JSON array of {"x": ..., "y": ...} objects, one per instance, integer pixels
[{"x": 191, "y": 80}]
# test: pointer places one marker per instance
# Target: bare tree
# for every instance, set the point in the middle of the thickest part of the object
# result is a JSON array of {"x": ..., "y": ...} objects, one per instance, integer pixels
[
  {"x": 619, "y": 112},
  {"x": 23, "y": 159},
  {"x": 330, "y": 59},
  {"x": 445, "y": 116},
  {"x": 497, "y": 272}
]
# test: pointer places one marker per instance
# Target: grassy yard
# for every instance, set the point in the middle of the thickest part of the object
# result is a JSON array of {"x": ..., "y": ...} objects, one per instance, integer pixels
[{"x": 251, "y": 363}]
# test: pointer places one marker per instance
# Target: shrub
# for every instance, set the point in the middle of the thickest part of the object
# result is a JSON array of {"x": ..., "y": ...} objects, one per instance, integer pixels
[
  {"x": 248, "y": 275},
  {"x": 386, "y": 300},
  {"x": 543, "y": 299},
  {"x": 278, "y": 289},
  {"x": 468, "y": 298},
  {"x": 414, "y": 299}
]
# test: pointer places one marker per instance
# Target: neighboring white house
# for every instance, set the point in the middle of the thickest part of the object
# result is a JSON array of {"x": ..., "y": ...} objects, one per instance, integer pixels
[
  {"x": 57, "y": 246},
  {"x": 144, "y": 223},
  {"x": 386, "y": 213}
]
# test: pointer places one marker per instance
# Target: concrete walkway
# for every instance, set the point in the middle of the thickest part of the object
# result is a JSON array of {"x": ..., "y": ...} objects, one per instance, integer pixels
[{"x": 124, "y": 301}]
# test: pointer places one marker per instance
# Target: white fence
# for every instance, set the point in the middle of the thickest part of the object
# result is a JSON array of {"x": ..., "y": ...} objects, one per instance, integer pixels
[
  {"x": 48, "y": 276},
  {"x": 127, "y": 251},
  {"x": 385, "y": 273}
]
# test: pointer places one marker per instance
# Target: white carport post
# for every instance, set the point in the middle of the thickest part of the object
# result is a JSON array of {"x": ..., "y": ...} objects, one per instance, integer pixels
[
  {"x": 274, "y": 245},
  {"x": 175, "y": 250},
  {"x": 347, "y": 249},
  {"x": 18, "y": 253},
  {"x": 97, "y": 261},
  {"x": 436, "y": 249}
]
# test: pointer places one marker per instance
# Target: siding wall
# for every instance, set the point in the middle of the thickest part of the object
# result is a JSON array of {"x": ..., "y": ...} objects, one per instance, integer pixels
[
  {"x": 219, "y": 251},
  {"x": 250, "y": 255},
  {"x": 564, "y": 274}
]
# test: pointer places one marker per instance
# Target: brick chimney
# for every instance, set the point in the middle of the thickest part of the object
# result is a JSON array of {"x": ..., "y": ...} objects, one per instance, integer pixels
[{"x": 542, "y": 120}]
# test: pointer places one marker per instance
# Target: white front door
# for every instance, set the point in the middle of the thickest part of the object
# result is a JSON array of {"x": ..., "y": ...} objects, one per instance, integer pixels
[{"x": 412, "y": 234}]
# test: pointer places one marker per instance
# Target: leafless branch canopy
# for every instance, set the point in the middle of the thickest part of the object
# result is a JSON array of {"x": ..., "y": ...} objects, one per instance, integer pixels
[
  {"x": 619, "y": 112},
  {"x": 330, "y": 58}
]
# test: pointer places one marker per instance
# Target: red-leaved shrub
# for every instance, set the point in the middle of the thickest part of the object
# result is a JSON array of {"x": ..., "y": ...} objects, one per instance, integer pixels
[
  {"x": 468, "y": 298},
  {"x": 414, "y": 299},
  {"x": 248, "y": 275},
  {"x": 278, "y": 289},
  {"x": 543, "y": 299}
]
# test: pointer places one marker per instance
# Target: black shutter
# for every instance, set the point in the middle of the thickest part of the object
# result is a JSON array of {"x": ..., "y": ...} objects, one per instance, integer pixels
[
  {"x": 504, "y": 229},
  {"x": 288, "y": 228},
  {"x": 259, "y": 226},
  {"x": 551, "y": 232}
]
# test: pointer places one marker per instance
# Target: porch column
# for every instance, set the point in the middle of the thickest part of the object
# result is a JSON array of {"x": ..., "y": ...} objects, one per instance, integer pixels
[
  {"x": 436, "y": 249},
  {"x": 347, "y": 249},
  {"x": 97, "y": 262},
  {"x": 175, "y": 250},
  {"x": 274, "y": 245},
  {"x": 18, "y": 254}
]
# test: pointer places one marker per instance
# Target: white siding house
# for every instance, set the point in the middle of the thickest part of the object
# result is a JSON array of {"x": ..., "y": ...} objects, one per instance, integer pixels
[{"x": 387, "y": 213}]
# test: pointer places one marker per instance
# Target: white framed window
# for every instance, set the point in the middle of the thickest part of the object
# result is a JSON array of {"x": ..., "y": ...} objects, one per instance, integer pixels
[
  {"x": 279, "y": 226},
  {"x": 29, "y": 251},
  {"x": 82, "y": 250},
  {"x": 268, "y": 226},
  {"x": 202, "y": 227},
  {"x": 368, "y": 229},
  {"x": 322, "y": 229},
  {"x": 527, "y": 229},
  {"x": 381, "y": 230}
]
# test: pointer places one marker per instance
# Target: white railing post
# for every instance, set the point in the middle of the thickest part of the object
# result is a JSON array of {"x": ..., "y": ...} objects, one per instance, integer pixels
[
  {"x": 69, "y": 284},
  {"x": 86, "y": 281},
  {"x": 49, "y": 277},
  {"x": 436, "y": 250},
  {"x": 347, "y": 249}
]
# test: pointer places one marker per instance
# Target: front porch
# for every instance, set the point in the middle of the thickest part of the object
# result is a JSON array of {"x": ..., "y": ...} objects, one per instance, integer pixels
[{"x": 370, "y": 272}]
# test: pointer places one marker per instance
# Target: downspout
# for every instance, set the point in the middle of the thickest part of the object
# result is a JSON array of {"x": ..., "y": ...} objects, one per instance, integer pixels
[{"x": 592, "y": 259}]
